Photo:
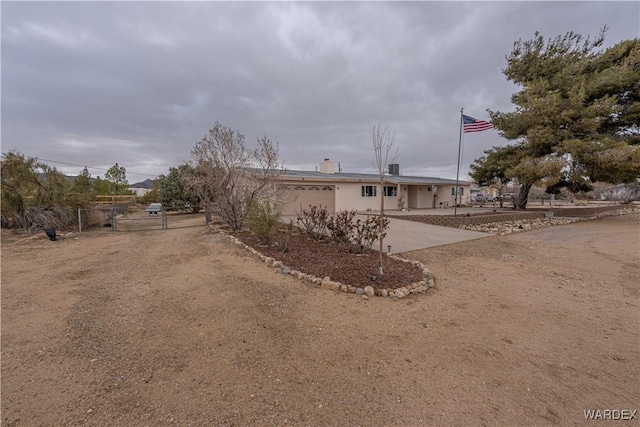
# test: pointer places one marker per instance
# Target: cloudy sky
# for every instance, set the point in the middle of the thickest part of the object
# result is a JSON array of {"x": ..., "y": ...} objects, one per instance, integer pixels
[{"x": 139, "y": 83}]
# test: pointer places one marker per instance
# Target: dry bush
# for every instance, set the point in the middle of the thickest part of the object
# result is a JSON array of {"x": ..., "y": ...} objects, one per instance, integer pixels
[
  {"x": 236, "y": 174},
  {"x": 94, "y": 218},
  {"x": 341, "y": 226},
  {"x": 625, "y": 193},
  {"x": 367, "y": 232},
  {"x": 314, "y": 221},
  {"x": 34, "y": 218}
]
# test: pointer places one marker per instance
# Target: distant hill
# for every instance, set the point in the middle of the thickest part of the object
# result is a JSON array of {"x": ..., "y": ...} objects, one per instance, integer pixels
[
  {"x": 43, "y": 176},
  {"x": 147, "y": 183}
]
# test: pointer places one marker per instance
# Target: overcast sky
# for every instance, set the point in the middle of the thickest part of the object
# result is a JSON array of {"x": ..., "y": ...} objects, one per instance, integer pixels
[{"x": 139, "y": 83}]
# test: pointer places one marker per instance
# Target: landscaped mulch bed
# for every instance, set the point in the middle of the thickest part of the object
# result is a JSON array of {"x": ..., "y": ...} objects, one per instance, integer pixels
[{"x": 327, "y": 259}]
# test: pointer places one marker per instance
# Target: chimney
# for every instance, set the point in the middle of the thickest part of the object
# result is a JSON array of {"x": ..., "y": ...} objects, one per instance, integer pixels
[
  {"x": 394, "y": 169},
  {"x": 328, "y": 166}
]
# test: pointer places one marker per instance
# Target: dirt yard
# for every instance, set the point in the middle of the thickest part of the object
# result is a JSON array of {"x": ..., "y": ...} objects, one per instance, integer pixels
[{"x": 180, "y": 327}]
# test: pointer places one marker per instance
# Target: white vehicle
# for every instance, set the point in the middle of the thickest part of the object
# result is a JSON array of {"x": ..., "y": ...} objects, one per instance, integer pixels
[
  {"x": 485, "y": 198},
  {"x": 154, "y": 208}
]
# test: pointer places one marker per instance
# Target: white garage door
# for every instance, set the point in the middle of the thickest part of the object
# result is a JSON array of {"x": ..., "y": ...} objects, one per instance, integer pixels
[{"x": 298, "y": 197}]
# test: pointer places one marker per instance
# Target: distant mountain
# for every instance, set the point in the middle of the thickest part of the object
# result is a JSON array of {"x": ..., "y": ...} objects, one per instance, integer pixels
[{"x": 147, "y": 183}]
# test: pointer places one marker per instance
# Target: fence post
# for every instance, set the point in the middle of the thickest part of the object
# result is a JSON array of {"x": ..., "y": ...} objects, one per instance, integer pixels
[
  {"x": 113, "y": 219},
  {"x": 79, "y": 221}
]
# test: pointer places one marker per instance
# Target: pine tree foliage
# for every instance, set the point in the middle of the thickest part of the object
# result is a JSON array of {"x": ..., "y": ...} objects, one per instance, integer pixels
[
  {"x": 577, "y": 115},
  {"x": 36, "y": 195}
]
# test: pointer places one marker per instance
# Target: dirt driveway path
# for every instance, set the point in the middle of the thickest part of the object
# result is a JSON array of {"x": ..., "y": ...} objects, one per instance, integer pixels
[{"x": 179, "y": 327}]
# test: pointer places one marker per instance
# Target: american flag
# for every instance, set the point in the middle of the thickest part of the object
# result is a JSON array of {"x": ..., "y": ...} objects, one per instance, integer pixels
[{"x": 473, "y": 125}]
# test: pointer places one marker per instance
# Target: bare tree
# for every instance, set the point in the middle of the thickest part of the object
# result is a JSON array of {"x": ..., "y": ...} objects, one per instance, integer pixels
[
  {"x": 624, "y": 193},
  {"x": 385, "y": 153},
  {"x": 237, "y": 176}
]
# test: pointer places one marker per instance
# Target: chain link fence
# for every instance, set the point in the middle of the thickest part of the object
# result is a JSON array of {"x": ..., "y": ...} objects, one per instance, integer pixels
[{"x": 131, "y": 218}]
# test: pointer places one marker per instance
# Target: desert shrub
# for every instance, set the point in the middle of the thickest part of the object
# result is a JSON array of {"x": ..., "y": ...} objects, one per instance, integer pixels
[
  {"x": 263, "y": 219},
  {"x": 285, "y": 236},
  {"x": 314, "y": 221},
  {"x": 35, "y": 195},
  {"x": 94, "y": 218},
  {"x": 366, "y": 232},
  {"x": 341, "y": 226},
  {"x": 34, "y": 218},
  {"x": 625, "y": 193}
]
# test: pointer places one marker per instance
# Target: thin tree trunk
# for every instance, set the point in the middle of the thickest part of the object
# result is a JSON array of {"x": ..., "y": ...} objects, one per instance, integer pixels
[{"x": 381, "y": 223}]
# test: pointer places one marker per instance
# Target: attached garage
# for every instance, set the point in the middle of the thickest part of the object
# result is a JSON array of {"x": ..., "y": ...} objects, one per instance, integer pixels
[{"x": 298, "y": 197}]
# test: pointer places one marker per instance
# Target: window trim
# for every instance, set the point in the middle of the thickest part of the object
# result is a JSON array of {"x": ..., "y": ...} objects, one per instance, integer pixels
[
  {"x": 373, "y": 191},
  {"x": 394, "y": 192},
  {"x": 453, "y": 191}
]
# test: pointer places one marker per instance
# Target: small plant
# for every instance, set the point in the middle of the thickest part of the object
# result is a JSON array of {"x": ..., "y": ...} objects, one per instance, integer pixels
[
  {"x": 401, "y": 203},
  {"x": 341, "y": 227},
  {"x": 314, "y": 221},
  {"x": 263, "y": 220},
  {"x": 367, "y": 232},
  {"x": 286, "y": 236}
]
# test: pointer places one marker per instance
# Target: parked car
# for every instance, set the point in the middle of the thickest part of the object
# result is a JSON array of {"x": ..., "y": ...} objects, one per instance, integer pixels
[
  {"x": 507, "y": 197},
  {"x": 485, "y": 198}
]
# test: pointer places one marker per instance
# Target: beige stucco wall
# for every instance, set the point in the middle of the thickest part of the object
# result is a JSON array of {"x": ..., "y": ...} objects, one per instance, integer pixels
[
  {"x": 444, "y": 195},
  {"x": 349, "y": 196}
]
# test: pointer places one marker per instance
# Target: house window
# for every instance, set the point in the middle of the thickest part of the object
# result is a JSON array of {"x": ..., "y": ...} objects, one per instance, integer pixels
[
  {"x": 327, "y": 188},
  {"x": 453, "y": 191},
  {"x": 299, "y": 187},
  {"x": 428, "y": 188},
  {"x": 390, "y": 191},
  {"x": 369, "y": 191},
  {"x": 314, "y": 188}
]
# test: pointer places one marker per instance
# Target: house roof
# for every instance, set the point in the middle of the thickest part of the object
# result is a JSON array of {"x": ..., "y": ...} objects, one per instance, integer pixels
[{"x": 347, "y": 177}]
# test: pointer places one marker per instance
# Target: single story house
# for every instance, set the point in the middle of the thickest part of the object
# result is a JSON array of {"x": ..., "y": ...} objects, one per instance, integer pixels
[{"x": 345, "y": 191}]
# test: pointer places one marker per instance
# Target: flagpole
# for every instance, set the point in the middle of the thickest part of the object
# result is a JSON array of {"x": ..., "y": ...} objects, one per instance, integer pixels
[{"x": 456, "y": 190}]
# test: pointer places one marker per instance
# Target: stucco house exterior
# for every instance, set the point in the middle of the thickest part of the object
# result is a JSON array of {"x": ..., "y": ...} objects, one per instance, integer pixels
[{"x": 345, "y": 191}]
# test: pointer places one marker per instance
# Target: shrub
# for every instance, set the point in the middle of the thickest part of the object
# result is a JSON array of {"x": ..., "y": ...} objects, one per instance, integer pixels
[
  {"x": 314, "y": 221},
  {"x": 34, "y": 218},
  {"x": 366, "y": 232},
  {"x": 263, "y": 219},
  {"x": 341, "y": 227}
]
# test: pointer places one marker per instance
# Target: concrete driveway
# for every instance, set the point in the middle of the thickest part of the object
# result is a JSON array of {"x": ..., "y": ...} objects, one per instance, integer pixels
[{"x": 404, "y": 236}]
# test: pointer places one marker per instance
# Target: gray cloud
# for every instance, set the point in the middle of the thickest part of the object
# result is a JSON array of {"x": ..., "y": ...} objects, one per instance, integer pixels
[{"x": 140, "y": 83}]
